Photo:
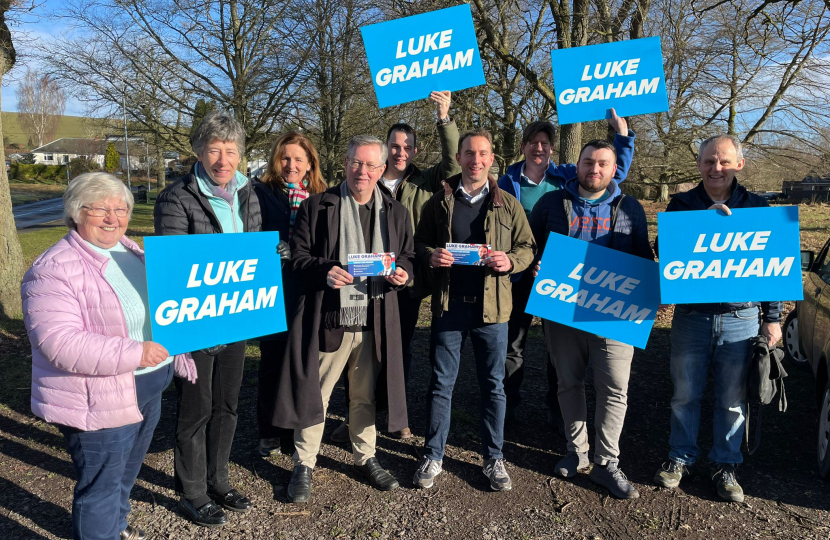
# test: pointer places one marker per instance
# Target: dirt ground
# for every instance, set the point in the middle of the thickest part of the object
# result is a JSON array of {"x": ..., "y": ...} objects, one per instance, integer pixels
[{"x": 785, "y": 497}]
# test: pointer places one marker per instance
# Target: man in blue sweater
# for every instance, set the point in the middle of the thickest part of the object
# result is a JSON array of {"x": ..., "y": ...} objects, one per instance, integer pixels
[
  {"x": 528, "y": 180},
  {"x": 592, "y": 208}
]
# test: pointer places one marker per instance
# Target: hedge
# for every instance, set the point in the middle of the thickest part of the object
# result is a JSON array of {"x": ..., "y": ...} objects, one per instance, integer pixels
[{"x": 45, "y": 173}]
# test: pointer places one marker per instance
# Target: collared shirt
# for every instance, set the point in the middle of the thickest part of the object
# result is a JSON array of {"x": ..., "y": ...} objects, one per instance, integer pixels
[
  {"x": 470, "y": 198},
  {"x": 531, "y": 192}
]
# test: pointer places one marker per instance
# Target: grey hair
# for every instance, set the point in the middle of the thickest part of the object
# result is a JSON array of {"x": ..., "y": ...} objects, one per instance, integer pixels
[
  {"x": 736, "y": 142},
  {"x": 218, "y": 126},
  {"x": 366, "y": 140},
  {"x": 91, "y": 188}
]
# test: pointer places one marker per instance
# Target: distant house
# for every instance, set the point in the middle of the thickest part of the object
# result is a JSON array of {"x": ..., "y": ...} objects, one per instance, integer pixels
[
  {"x": 811, "y": 187},
  {"x": 64, "y": 150}
]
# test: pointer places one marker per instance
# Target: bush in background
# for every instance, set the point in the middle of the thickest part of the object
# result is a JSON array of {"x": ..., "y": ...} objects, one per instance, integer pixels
[{"x": 38, "y": 172}]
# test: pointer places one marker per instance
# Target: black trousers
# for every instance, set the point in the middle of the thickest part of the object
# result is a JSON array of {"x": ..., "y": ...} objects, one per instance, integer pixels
[
  {"x": 408, "y": 308},
  {"x": 271, "y": 353},
  {"x": 206, "y": 423},
  {"x": 517, "y": 329}
]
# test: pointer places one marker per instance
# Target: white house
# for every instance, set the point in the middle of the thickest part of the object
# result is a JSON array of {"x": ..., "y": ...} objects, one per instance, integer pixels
[{"x": 65, "y": 149}]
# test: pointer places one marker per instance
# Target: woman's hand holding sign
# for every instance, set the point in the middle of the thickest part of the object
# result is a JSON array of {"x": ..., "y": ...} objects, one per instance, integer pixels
[
  {"x": 337, "y": 278},
  {"x": 398, "y": 278},
  {"x": 152, "y": 354}
]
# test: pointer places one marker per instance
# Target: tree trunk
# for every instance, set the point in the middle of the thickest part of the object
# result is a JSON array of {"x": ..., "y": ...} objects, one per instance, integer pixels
[
  {"x": 570, "y": 139},
  {"x": 664, "y": 193},
  {"x": 160, "y": 168},
  {"x": 12, "y": 266}
]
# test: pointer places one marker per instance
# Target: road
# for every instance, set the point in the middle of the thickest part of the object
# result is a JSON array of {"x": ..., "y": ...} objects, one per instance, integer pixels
[{"x": 38, "y": 213}]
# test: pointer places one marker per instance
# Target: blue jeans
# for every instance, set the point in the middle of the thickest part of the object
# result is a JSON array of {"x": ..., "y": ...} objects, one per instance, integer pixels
[
  {"x": 107, "y": 462},
  {"x": 489, "y": 347},
  {"x": 699, "y": 339}
]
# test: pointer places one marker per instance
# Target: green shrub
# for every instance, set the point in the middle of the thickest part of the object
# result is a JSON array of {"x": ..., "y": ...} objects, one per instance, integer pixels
[
  {"x": 38, "y": 172},
  {"x": 81, "y": 165}
]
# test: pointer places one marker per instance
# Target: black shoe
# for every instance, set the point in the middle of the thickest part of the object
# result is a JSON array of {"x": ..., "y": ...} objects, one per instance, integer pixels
[
  {"x": 232, "y": 500},
  {"x": 207, "y": 515},
  {"x": 377, "y": 476},
  {"x": 132, "y": 533},
  {"x": 299, "y": 489}
]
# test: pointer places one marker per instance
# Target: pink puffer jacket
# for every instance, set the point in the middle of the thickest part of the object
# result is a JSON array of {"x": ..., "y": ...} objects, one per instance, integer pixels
[{"x": 82, "y": 357}]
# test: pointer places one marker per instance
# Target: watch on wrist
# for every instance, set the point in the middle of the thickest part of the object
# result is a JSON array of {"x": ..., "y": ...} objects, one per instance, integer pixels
[{"x": 444, "y": 121}]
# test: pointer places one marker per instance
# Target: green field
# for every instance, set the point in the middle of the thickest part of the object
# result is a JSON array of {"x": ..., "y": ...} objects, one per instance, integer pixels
[{"x": 69, "y": 126}]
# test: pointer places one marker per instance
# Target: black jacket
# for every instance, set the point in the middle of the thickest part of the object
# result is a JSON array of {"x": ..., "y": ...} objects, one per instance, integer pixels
[
  {"x": 275, "y": 209},
  {"x": 698, "y": 199},
  {"x": 182, "y": 209},
  {"x": 314, "y": 251},
  {"x": 629, "y": 228}
]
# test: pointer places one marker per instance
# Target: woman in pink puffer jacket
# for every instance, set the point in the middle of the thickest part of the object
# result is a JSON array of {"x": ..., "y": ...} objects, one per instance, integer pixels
[{"x": 96, "y": 373}]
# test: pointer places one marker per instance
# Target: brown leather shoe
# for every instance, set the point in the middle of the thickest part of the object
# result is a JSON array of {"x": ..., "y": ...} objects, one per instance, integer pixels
[{"x": 405, "y": 433}]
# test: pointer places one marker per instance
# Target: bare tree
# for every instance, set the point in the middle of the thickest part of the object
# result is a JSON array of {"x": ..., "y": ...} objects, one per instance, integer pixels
[
  {"x": 40, "y": 104},
  {"x": 11, "y": 256},
  {"x": 164, "y": 55}
]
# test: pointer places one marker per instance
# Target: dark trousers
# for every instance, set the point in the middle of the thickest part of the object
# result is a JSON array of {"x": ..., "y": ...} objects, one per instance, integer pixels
[
  {"x": 271, "y": 352},
  {"x": 489, "y": 344},
  {"x": 206, "y": 423},
  {"x": 107, "y": 462},
  {"x": 517, "y": 329},
  {"x": 409, "y": 309}
]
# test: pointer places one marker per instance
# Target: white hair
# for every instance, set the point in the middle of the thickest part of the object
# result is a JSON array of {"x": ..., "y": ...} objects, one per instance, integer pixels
[
  {"x": 218, "y": 126},
  {"x": 736, "y": 142},
  {"x": 91, "y": 188},
  {"x": 366, "y": 140}
]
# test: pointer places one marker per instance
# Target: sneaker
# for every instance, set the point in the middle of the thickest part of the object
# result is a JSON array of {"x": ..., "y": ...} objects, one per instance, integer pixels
[
  {"x": 571, "y": 463},
  {"x": 726, "y": 483},
  {"x": 494, "y": 470},
  {"x": 670, "y": 474},
  {"x": 426, "y": 473},
  {"x": 611, "y": 477},
  {"x": 269, "y": 447}
]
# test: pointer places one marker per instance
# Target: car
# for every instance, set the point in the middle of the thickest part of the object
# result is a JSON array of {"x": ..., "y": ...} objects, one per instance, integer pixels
[{"x": 812, "y": 338}]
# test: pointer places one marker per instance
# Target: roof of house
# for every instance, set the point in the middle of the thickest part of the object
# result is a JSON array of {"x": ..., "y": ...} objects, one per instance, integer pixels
[{"x": 90, "y": 147}]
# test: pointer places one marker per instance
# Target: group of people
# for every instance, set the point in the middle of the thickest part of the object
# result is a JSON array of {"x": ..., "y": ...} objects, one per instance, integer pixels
[{"x": 98, "y": 376}]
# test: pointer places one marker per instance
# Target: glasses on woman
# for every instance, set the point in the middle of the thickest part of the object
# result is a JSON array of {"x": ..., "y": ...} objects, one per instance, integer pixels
[
  {"x": 100, "y": 211},
  {"x": 355, "y": 165}
]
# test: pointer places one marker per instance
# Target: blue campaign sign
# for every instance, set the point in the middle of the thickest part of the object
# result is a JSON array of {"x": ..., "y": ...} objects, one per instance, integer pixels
[
  {"x": 625, "y": 75},
  {"x": 413, "y": 56},
  {"x": 709, "y": 257},
  {"x": 596, "y": 289},
  {"x": 213, "y": 289}
]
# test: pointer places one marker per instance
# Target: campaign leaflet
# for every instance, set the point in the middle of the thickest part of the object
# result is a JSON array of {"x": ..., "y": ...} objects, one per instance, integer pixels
[
  {"x": 371, "y": 264},
  {"x": 469, "y": 254}
]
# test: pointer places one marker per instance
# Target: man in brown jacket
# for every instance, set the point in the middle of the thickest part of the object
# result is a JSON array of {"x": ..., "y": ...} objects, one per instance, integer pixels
[{"x": 471, "y": 300}]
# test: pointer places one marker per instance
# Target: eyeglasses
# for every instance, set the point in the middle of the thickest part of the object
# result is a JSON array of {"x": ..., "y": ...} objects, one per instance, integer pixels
[
  {"x": 355, "y": 165},
  {"x": 97, "y": 211}
]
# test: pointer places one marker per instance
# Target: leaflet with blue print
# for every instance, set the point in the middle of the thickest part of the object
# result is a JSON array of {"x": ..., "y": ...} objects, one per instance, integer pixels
[
  {"x": 469, "y": 254},
  {"x": 754, "y": 255},
  {"x": 214, "y": 289},
  {"x": 371, "y": 264},
  {"x": 596, "y": 289}
]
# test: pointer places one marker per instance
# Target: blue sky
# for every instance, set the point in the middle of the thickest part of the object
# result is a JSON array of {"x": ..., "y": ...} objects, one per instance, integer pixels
[{"x": 36, "y": 27}]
